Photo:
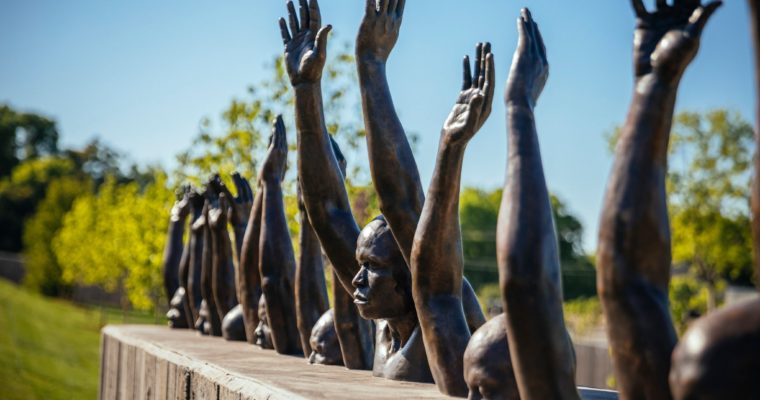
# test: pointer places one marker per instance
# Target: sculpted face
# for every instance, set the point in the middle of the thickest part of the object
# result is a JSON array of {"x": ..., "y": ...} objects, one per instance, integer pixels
[
  {"x": 324, "y": 342},
  {"x": 262, "y": 333},
  {"x": 383, "y": 284},
  {"x": 487, "y": 366}
]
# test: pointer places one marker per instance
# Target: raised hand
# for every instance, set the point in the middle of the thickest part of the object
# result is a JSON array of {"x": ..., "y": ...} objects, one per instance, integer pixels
[
  {"x": 474, "y": 103},
  {"x": 666, "y": 40},
  {"x": 530, "y": 69},
  {"x": 379, "y": 29},
  {"x": 240, "y": 205},
  {"x": 217, "y": 213},
  {"x": 182, "y": 206},
  {"x": 276, "y": 159},
  {"x": 305, "y": 43}
]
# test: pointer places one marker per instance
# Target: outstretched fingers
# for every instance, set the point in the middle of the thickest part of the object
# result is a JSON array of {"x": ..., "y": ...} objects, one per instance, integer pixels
[
  {"x": 294, "y": 29},
  {"x": 489, "y": 87},
  {"x": 315, "y": 16},
  {"x": 467, "y": 81},
  {"x": 478, "y": 64},
  {"x": 541, "y": 46},
  {"x": 284, "y": 32},
  {"x": 371, "y": 7},
  {"x": 639, "y": 8},
  {"x": 485, "y": 51},
  {"x": 699, "y": 18},
  {"x": 303, "y": 9},
  {"x": 400, "y": 8}
]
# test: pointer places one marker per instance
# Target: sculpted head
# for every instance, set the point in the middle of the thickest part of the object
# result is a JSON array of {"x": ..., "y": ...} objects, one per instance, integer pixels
[
  {"x": 262, "y": 333},
  {"x": 383, "y": 283},
  {"x": 325, "y": 348},
  {"x": 487, "y": 366}
]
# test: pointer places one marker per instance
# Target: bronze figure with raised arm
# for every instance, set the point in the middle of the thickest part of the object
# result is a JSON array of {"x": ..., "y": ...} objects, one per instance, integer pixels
[
  {"x": 276, "y": 258},
  {"x": 719, "y": 355},
  {"x": 248, "y": 272},
  {"x": 175, "y": 264},
  {"x": 371, "y": 262},
  {"x": 634, "y": 257},
  {"x": 394, "y": 170},
  {"x": 541, "y": 352},
  {"x": 437, "y": 261},
  {"x": 310, "y": 286}
]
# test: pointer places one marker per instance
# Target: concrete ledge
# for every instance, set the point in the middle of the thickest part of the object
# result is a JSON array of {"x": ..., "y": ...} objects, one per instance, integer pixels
[{"x": 150, "y": 362}]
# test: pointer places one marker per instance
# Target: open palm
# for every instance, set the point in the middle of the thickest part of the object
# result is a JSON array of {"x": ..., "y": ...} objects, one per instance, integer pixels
[
  {"x": 305, "y": 43},
  {"x": 473, "y": 106},
  {"x": 666, "y": 40}
]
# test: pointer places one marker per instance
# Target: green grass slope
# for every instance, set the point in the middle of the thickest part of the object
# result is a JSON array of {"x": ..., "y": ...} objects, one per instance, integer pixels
[{"x": 49, "y": 349}]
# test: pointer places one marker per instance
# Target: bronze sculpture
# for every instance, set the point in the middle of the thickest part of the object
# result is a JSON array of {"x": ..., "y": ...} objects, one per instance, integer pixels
[
  {"x": 223, "y": 278},
  {"x": 634, "y": 236},
  {"x": 213, "y": 321},
  {"x": 399, "y": 352},
  {"x": 719, "y": 355},
  {"x": 248, "y": 274},
  {"x": 323, "y": 341},
  {"x": 436, "y": 258},
  {"x": 262, "y": 334},
  {"x": 401, "y": 195},
  {"x": 173, "y": 249},
  {"x": 526, "y": 241},
  {"x": 487, "y": 366},
  {"x": 276, "y": 258},
  {"x": 310, "y": 288},
  {"x": 175, "y": 264},
  {"x": 192, "y": 257}
]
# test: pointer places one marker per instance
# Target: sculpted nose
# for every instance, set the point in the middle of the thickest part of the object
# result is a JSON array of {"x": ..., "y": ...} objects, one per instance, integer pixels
[{"x": 360, "y": 279}]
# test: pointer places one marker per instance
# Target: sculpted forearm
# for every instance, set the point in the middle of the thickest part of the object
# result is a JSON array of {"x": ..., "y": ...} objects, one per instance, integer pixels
[
  {"x": 249, "y": 276},
  {"x": 530, "y": 271},
  {"x": 173, "y": 255},
  {"x": 310, "y": 288},
  {"x": 277, "y": 264},
  {"x": 394, "y": 170},
  {"x": 322, "y": 186}
]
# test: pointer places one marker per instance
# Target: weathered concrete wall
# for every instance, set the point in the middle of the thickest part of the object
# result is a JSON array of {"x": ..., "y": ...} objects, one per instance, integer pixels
[{"x": 148, "y": 362}]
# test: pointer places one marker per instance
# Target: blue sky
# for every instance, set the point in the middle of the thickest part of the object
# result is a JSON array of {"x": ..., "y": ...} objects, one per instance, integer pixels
[{"x": 141, "y": 74}]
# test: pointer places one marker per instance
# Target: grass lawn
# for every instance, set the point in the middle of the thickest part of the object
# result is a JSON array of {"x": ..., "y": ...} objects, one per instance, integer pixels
[{"x": 50, "y": 348}]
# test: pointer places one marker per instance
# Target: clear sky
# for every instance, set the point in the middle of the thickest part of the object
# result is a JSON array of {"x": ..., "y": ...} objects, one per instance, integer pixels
[{"x": 141, "y": 74}]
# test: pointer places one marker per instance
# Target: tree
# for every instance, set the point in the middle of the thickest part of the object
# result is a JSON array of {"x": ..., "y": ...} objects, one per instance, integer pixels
[
  {"x": 708, "y": 197},
  {"x": 114, "y": 238},
  {"x": 24, "y": 136},
  {"x": 43, "y": 272},
  {"x": 478, "y": 215}
]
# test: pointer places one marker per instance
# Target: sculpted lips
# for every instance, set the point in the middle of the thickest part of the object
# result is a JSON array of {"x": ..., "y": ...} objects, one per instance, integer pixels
[{"x": 359, "y": 298}]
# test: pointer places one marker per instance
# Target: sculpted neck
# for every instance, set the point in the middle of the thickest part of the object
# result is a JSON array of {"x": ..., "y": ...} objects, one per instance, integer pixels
[{"x": 402, "y": 328}]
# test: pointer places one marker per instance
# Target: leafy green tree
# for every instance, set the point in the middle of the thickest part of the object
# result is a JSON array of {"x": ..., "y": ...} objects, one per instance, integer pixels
[
  {"x": 43, "y": 272},
  {"x": 115, "y": 239},
  {"x": 708, "y": 197},
  {"x": 22, "y": 191},
  {"x": 478, "y": 215},
  {"x": 24, "y": 136}
]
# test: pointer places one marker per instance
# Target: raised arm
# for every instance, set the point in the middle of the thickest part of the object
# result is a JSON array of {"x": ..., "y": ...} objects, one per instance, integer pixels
[
  {"x": 394, "y": 171},
  {"x": 239, "y": 208},
  {"x": 541, "y": 351},
  {"x": 310, "y": 289},
  {"x": 173, "y": 250},
  {"x": 195, "y": 254},
  {"x": 249, "y": 275},
  {"x": 324, "y": 193},
  {"x": 634, "y": 256},
  {"x": 276, "y": 259},
  {"x": 436, "y": 261},
  {"x": 223, "y": 279},
  {"x": 213, "y": 318}
]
